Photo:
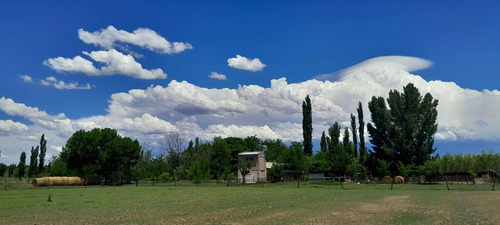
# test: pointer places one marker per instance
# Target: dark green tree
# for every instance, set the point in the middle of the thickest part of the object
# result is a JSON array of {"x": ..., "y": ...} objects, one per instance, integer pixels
[
  {"x": 3, "y": 169},
  {"x": 333, "y": 140},
  {"x": 43, "y": 150},
  {"x": 362, "y": 149},
  {"x": 275, "y": 149},
  {"x": 22, "y": 165},
  {"x": 219, "y": 157},
  {"x": 405, "y": 130},
  {"x": 307, "y": 128},
  {"x": 354, "y": 135},
  {"x": 253, "y": 143},
  {"x": 102, "y": 153},
  {"x": 346, "y": 143},
  {"x": 323, "y": 143},
  {"x": 33, "y": 169}
]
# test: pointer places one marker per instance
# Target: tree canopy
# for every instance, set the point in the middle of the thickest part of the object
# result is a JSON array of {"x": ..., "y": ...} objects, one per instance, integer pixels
[
  {"x": 102, "y": 153},
  {"x": 403, "y": 129}
]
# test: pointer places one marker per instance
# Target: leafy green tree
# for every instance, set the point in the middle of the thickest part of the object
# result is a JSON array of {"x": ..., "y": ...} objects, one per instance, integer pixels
[
  {"x": 334, "y": 133},
  {"x": 346, "y": 143},
  {"x": 244, "y": 169},
  {"x": 43, "y": 150},
  {"x": 253, "y": 143},
  {"x": 228, "y": 174},
  {"x": 11, "y": 169},
  {"x": 33, "y": 169},
  {"x": 356, "y": 169},
  {"x": 295, "y": 159},
  {"x": 22, "y": 164},
  {"x": 199, "y": 171},
  {"x": 323, "y": 142},
  {"x": 307, "y": 128},
  {"x": 275, "y": 149},
  {"x": 102, "y": 153},
  {"x": 407, "y": 126},
  {"x": 384, "y": 167},
  {"x": 354, "y": 135},
  {"x": 363, "y": 153},
  {"x": 3, "y": 169},
  {"x": 275, "y": 173},
  {"x": 431, "y": 169},
  {"x": 219, "y": 157},
  {"x": 58, "y": 167},
  {"x": 405, "y": 171},
  {"x": 320, "y": 162}
]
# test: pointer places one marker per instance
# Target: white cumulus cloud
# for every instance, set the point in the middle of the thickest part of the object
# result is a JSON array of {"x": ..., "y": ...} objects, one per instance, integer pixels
[
  {"x": 108, "y": 38},
  {"x": 11, "y": 126},
  {"x": 243, "y": 63},
  {"x": 59, "y": 84},
  {"x": 114, "y": 63},
  {"x": 218, "y": 76}
]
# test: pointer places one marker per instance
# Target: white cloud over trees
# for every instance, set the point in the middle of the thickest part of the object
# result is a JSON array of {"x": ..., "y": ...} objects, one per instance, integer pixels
[{"x": 274, "y": 111}]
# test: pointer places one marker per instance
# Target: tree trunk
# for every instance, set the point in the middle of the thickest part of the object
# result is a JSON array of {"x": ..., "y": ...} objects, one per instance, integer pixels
[
  {"x": 392, "y": 184},
  {"x": 494, "y": 181},
  {"x": 227, "y": 184},
  {"x": 298, "y": 181},
  {"x": 446, "y": 178}
]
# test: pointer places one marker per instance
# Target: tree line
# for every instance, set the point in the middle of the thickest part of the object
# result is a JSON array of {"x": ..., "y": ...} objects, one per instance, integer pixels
[{"x": 401, "y": 133}]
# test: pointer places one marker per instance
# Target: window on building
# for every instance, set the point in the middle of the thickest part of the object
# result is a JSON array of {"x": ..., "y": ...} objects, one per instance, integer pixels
[{"x": 249, "y": 158}]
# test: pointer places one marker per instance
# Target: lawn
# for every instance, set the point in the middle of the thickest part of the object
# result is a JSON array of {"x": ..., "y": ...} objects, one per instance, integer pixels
[{"x": 317, "y": 203}]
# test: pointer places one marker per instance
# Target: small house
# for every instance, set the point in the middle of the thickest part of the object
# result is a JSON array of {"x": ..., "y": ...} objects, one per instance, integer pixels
[{"x": 257, "y": 162}]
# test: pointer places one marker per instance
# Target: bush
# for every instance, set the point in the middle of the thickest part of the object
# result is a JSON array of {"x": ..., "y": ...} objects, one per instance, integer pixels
[{"x": 275, "y": 173}]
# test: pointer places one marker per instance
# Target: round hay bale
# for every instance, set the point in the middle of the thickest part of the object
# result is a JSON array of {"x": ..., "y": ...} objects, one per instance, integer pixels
[
  {"x": 399, "y": 180},
  {"x": 57, "y": 181},
  {"x": 387, "y": 179}
]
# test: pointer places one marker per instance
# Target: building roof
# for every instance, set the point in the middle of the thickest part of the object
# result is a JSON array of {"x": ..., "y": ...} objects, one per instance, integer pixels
[{"x": 249, "y": 153}]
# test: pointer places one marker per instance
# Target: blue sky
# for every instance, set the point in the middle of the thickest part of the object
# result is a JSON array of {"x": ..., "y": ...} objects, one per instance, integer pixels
[{"x": 296, "y": 40}]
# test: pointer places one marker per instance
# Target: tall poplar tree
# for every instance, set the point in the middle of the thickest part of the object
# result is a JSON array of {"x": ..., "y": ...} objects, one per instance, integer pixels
[
  {"x": 362, "y": 149},
  {"x": 354, "y": 135},
  {"x": 22, "y": 164},
  {"x": 43, "y": 150},
  {"x": 307, "y": 128},
  {"x": 323, "y": 143},
  {"x": 34, "y": 161}
]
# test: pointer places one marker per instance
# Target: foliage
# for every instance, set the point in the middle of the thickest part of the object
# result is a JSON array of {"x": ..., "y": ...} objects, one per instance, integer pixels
[
  {"x": 43, "y": 150},
  {"x": 102, "y": 153},
  {"x": 3, "y": 169},
  {"x": 275, "y": 173},
  {"x": 199, "y": 171},
  {"x": 244, "y": 169},
  {"x": 404, "y": 127},
  {"x": 363, "y": 153},
  {"x": 22, "y": 164},
  {"x": 219, "y": 157},
  {"x": 354, "y": 135},
  {"x": 307, "y": 128},
  {"x": 383, "y": 167},
  {"x": 11, "y": 169},
  {"x": 432, "y": 169},
  {"x": 33, "y": 169},
  {"x": 253, "y": 143},
  {"x": 356, "y": 169},
  {"x": 405, "y": 171},
  {"x": 320, "y": 162},
  {"x": 323, "y": 142},
  {"x": 274, "y": 149},
  {"x": 294, "y": 158},
  {"x": 58, "y": 167}
]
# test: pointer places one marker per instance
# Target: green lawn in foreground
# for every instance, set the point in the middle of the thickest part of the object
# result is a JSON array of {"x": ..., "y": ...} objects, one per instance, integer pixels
[{"x": 251, "y": 204}]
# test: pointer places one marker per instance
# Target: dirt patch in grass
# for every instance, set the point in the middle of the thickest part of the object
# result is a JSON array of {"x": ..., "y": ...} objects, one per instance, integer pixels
[{"x": 371, "y": 212}]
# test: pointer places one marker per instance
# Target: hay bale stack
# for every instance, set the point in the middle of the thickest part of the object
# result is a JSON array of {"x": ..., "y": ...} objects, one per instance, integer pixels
[
  {"x": 57, "y": 181},
  {"x": 399, "y": 180},
  {"x": 387, "y": 179}
]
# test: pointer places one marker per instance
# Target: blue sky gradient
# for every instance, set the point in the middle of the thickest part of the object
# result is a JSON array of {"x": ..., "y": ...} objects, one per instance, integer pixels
[{"x": 295, "y": 39}]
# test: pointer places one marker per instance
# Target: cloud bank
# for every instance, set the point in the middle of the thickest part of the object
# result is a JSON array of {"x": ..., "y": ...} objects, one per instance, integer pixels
[{"x": 268, "y": 112}]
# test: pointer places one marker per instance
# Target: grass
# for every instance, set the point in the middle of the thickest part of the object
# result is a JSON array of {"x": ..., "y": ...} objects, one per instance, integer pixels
[{"x": 283, "y": 203}]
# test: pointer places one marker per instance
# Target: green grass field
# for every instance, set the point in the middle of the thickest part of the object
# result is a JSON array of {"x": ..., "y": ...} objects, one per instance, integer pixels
[{"x": 316, "y": 203}]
